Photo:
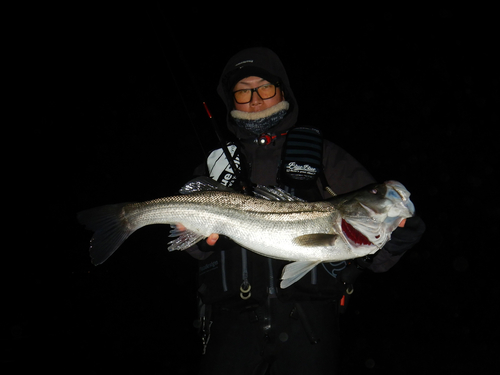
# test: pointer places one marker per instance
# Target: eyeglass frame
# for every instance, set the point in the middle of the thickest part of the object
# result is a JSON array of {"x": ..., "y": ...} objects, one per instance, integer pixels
[{"x": 255, "y": 89}]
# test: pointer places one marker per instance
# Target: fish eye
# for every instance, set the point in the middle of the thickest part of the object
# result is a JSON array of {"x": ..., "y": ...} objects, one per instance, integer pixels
[{"x": 373, "y": 191}]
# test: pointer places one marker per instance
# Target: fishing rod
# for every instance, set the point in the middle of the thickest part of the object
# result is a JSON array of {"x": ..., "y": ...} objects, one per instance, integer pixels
[
  {"x": 240, "y": 176},
  {"x": 177, "y": 86}
]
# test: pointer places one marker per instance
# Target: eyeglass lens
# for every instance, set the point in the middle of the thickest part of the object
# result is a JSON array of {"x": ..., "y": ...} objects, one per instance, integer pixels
[{"x": 265, "y": 92}]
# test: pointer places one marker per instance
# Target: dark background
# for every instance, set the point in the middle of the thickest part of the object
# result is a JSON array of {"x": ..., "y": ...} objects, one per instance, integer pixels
[{"x": 412, "y": 94}]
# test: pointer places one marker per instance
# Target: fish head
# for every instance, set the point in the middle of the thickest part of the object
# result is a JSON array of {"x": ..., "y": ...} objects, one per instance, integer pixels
[{"x": 371, "y": 214}]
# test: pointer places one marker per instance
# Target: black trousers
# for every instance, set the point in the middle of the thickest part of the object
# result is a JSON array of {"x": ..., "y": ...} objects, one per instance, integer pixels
[{"x": 278, "y": 338}]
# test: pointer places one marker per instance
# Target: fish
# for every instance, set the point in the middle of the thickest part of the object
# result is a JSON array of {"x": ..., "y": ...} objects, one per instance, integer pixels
[{"x": 271, "y": 223}]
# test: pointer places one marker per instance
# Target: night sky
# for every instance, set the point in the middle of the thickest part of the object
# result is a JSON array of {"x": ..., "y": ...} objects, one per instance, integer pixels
[{"x": 412, "y": 95}]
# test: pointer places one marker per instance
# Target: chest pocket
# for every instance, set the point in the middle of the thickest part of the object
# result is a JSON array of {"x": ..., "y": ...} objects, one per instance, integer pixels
[{"x": 302, "y": 160}]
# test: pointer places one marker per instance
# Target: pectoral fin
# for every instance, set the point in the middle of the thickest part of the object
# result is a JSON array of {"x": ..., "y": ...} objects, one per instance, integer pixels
[
  {"x": 184, "y": 240},
  {"x": 293, "y": 272},
  {"x": 315, "y": 239}
]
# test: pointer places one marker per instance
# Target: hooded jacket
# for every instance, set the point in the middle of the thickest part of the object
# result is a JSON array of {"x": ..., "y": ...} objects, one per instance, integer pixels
[
  {"x": 261, "y": 62},
  {"x": 343, "y": 174}
]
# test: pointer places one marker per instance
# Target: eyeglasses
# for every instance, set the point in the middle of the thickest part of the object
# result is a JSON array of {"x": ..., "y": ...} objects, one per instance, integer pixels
[{"x": 265, "y": 92}]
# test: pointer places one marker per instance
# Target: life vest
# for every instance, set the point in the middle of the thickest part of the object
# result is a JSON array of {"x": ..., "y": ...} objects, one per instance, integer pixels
[{"x": 236, "y": 275}]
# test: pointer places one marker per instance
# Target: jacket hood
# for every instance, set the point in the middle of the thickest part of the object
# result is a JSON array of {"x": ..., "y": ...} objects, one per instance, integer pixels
[{"x": 264, "y": 63}]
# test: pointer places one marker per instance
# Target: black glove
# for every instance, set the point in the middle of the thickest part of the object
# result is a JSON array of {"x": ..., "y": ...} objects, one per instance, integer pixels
[{"x": 403, "y": 239}]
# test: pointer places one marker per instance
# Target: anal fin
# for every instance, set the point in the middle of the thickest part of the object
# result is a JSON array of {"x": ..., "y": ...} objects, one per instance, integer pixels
[
  {"x": 293, "y": 272},
  {"x": 184, "y": 240}
]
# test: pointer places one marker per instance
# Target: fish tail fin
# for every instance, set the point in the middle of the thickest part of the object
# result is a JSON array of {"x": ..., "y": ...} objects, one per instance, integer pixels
[{"x": 111, "y": 228}]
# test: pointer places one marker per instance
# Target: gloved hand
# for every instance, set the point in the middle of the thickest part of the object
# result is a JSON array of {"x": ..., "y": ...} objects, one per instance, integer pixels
[{"x": 403, "y": 239}]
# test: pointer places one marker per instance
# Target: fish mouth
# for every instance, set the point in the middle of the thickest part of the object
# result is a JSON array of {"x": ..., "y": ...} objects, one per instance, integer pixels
[
  {"x": 353, "y": 235},
  {"x": 400, "y": 193}
]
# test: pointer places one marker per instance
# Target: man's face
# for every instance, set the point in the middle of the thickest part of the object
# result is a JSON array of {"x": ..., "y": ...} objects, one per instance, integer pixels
[{"x": 256, "y": 103}]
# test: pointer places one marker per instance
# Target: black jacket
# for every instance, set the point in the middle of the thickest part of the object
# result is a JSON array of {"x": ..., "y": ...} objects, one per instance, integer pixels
[{"x": 222, "y": 271}]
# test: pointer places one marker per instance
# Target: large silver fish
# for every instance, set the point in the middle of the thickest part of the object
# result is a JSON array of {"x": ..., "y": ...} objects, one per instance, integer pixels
[{"x": 345, "y": 227}]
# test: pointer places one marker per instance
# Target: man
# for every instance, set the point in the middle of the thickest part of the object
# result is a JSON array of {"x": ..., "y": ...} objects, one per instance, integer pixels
[{"x": 249, "y": 324}]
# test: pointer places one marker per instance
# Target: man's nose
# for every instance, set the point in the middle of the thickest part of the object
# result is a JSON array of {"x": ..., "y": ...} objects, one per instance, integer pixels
[{"x": 256, "y": 99}]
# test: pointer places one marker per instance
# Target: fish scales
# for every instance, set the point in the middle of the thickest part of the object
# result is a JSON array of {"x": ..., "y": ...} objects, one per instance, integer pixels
[{"x": 174, "y": 209}]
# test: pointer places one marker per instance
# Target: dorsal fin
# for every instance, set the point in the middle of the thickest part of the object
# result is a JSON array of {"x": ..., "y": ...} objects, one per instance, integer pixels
[
  {"x": 274, "y": 194},
  {"x": 203, "y": 183}
]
